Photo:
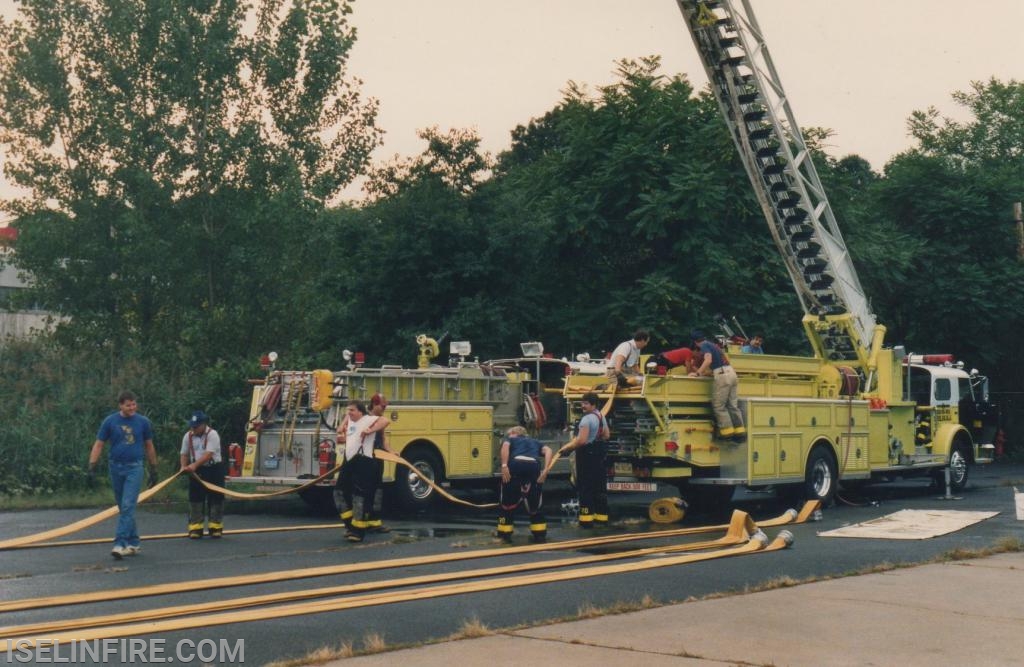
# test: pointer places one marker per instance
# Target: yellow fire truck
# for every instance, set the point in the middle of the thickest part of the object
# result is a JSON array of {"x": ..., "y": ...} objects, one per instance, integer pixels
[
  {"x": 856, "y": 409},
  {"x": 446, "y": 421}
]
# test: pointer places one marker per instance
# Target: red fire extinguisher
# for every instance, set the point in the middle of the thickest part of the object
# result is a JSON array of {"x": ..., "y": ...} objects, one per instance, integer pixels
[
  {"x": 327, "y": 456},
  {"x": 234, "y": 460}
]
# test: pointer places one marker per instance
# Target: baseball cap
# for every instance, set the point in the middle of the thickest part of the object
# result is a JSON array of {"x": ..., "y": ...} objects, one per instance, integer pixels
[{"x": 198, "y": 417}]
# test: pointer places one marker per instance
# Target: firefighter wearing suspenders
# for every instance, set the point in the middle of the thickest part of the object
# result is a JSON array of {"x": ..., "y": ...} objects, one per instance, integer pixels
[
  {"x": 374, "y": 524},
  {"x": 357, "y": 481},
  {"x": 590, "y": 444},
  {"x": 200, "y": 453}
]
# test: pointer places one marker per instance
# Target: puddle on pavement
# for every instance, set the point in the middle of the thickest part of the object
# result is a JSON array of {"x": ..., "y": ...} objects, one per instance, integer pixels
[{"x": 440, "y": 533}]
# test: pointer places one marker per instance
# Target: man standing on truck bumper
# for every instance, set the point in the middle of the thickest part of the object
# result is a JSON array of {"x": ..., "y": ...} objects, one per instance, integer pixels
[
  {"x": 590, "y": 444},
  {"x": 724, "y": 394}
]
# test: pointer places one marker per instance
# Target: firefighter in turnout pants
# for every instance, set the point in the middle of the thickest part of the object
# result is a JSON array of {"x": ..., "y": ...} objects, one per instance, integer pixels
[
  {"x": 522, "y": 482},
  {"x": 590, "y": 443},
  {"x": 200, "y": 453},
  {"x": 379, "y": 403},
  {"x": 353, "y": 492}
]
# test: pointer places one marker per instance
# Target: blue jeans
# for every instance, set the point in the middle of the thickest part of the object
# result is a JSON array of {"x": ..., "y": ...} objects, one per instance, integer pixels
[{"x": 126, "y": 479}]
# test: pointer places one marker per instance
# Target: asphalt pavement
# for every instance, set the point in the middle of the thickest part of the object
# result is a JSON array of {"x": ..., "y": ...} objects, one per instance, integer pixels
[{"x": 934, "y": 613}]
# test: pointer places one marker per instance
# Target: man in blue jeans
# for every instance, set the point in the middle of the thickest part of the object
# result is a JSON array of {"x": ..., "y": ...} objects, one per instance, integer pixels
[{"x": 130, "y": 436}]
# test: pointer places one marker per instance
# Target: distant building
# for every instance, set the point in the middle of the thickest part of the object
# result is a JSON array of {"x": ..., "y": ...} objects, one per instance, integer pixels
[{"x": 16, "y": 323}]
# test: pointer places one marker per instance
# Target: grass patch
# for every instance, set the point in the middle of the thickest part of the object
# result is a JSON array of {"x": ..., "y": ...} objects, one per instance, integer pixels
[
  {"x": 470, "y": 629},
  {"x": 318, "y": 656},
  {"x": 1001, "y": 546},
  {"x": 587, "y": 610},
  {"x": 101, "y": 497},
  {"x": 372, "y": 643}
]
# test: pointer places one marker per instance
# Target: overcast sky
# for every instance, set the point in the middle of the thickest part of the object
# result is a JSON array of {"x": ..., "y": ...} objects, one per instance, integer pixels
[{"x": 859, "y": 67}]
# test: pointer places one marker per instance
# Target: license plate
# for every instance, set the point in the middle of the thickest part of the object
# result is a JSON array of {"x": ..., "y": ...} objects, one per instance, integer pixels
[
  {"x": 623, "y": 468},
  {"x": 632, "y": 486}
]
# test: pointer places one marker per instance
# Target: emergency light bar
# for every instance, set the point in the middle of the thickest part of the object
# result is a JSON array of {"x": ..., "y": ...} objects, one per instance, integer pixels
[{"x": 930, "y": 359}]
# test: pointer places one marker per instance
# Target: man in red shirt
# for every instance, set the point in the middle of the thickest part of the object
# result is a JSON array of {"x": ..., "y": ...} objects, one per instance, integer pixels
[{"x": 681, "y": 356}]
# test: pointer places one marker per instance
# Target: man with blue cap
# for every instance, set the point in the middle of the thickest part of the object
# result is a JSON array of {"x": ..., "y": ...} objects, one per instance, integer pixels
[{"x": 200, "y": 454}]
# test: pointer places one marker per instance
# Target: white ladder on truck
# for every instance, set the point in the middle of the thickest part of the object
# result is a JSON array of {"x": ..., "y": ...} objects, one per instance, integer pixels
[{"x": 754, "y": 105}]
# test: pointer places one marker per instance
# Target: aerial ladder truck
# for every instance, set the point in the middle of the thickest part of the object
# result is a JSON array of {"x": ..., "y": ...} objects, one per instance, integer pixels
[{"x": 855, "y": 410}]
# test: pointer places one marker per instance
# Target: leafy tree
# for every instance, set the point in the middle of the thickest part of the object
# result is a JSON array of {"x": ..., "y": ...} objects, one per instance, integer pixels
[
  {"x": 174, "y": 161},
  {"x": 453, "y": 157},
  {"x": 953, "y": 193},
  {"x": 644, "y": 214}
]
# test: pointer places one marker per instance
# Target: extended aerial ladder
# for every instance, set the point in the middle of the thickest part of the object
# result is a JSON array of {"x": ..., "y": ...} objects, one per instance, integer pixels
[{"x": 837, "y": 317}]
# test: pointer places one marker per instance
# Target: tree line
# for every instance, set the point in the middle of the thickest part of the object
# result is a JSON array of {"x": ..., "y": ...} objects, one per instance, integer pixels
[{"x": 184, "y": 172}]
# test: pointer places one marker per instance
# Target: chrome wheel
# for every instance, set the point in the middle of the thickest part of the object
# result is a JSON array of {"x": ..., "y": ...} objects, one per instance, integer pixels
[
  {"x": 412, "y": 489},
  {"x": 822, "y": 480},
  {"x": 822, "y": 476},
  {"x": 958, "y": 460},
  {"x": 418, "y": 488}
]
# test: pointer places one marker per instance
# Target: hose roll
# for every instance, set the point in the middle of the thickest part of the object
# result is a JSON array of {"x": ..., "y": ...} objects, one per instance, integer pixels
[{"x": 667, "y": 510}]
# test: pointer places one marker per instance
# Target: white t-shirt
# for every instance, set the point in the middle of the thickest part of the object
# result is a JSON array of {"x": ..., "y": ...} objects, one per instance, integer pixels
[
  {"x": 193, "y": 446},
  {"x": 629, "y": 351},
  {"x": 356, "y": 445}
]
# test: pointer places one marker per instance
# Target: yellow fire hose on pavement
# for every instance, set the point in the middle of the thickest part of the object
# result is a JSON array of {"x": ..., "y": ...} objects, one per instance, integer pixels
[
  {"x": 18, "y": 542},
  {"x": 174, "y": 536},
  {"x": 788, "y": 517},
  {"x": 741, "y": 529},
  {"x": 758, "y": 543},
  {"x": 26, "y": 540},
  {"x": 83, "y": 523}
]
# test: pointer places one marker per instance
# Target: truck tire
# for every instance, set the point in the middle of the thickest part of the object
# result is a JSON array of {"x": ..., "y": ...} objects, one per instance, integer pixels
[
  {"x": 820, "y": 479},
  {"x": 411, "y": 491},
  {"x": 959, "y": 458}
]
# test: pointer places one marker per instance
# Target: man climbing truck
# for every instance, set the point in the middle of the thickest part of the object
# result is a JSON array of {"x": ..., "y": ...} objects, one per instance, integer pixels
[{"x": 856, "y": 409}]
